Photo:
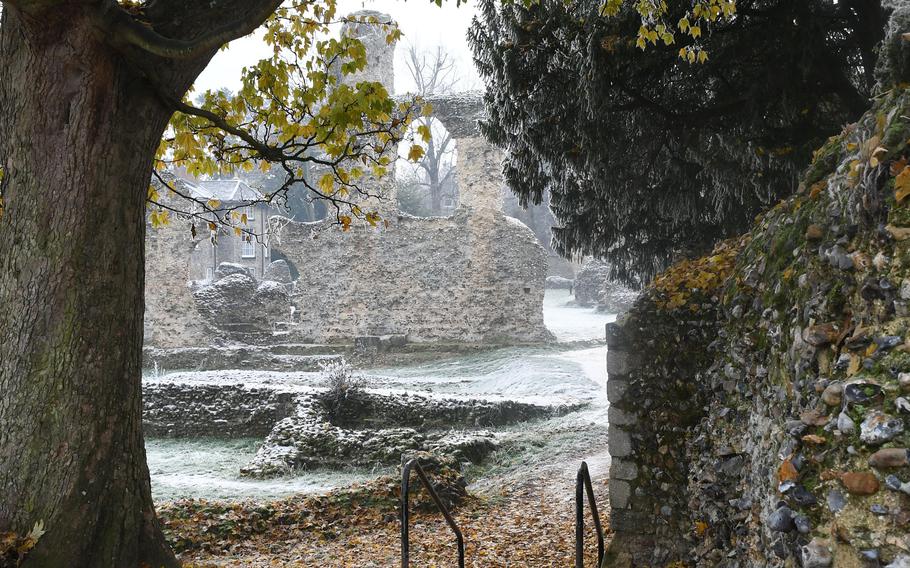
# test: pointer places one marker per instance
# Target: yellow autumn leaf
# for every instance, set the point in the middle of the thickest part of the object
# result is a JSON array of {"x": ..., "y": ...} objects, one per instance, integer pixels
[
  {"x": 159, "y": 219},
  {"x": 345, "y": 221},
  {"x": 854, "y": 365},
  {"x": 415, "y": 153},
  {"x": 877, "y": 155},
  {"x": 424, "y": 131},
  {"x": 902, "y": 184},
  {"x": 326, "y": 183}
]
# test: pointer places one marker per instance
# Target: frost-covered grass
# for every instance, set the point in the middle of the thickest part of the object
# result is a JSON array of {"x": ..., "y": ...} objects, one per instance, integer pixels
[
  {"x": 552, "y": 375},
  {"x": 210, "y": 468}
]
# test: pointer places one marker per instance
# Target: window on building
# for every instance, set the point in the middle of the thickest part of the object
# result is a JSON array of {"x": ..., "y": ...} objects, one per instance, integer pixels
[
  {"x": 247, "y": 247},
  {"x": 209, "y": 274},
  {"x": 249, "y": 211}
]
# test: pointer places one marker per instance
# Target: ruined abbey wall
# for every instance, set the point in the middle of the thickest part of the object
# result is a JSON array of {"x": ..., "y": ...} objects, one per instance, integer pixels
[{"x": 476, "y": 276}]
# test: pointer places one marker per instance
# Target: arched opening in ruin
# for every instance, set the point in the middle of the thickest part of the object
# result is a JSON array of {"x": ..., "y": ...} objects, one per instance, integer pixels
[
  {"x": 429, "y": 186},
  {"x": 301, "y": 204},
  {"x": 279, "y": 255}
]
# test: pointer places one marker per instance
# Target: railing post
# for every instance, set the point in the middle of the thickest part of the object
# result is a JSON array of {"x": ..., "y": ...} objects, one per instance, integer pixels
[
  {"x": 405, "y": 488},
  {"x": 583, "y": 485},
  {"x": 580, "y": 517},
  {"x": 405, "y": 543}
]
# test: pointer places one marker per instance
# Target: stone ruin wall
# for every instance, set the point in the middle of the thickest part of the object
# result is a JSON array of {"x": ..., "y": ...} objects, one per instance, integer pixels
[
  {"x": 476, "y": 276},
  {"x": 171, "y": 318}
]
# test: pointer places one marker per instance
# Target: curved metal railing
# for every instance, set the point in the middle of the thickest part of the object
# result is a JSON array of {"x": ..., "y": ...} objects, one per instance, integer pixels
[
  {"x": 582, "y": 486},
  {"x": 414, "y": 464}
]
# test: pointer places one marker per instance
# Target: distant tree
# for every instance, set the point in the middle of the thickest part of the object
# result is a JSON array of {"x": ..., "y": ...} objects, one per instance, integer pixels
[
  {"x": 412, "y": 196},
  {"x": 653, "y": 153},
  {"x": 434, "y": 73}
]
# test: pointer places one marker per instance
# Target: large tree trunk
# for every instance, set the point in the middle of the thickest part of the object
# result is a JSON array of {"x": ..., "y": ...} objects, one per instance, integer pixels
[{"x": 78, "y": 131}]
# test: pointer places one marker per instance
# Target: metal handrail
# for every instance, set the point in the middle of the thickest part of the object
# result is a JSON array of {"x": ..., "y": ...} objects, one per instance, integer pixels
[
  {"x": 405, "y": 488},
  {"x": 582, "y": 486}
]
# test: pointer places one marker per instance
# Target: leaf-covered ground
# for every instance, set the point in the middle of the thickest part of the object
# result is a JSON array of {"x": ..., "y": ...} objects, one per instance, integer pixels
[{"x": 527, "y": 520}]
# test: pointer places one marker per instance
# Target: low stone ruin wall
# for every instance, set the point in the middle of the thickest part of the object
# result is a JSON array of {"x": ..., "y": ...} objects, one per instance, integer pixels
[
  {"x": 592, "y": 287},
  {"x": 279, "y": 357},
  {"x": 308, "y": 427},
  {"x": 361, "y": 428},
  {"x": 221, "y": 411}
]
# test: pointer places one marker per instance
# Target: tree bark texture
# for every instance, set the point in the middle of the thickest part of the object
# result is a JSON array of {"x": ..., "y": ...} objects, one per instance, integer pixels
[{"x": 78, "y": 132}]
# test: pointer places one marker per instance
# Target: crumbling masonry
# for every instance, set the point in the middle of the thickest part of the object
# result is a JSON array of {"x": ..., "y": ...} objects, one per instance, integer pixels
[{"x": 476, "y": 276}]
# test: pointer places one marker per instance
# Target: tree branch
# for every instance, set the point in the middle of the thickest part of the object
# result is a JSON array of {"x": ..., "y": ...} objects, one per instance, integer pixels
[{"x": 125, "y": 29}]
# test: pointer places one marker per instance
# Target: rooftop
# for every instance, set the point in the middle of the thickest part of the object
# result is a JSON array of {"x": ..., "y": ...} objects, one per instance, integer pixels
[{"x": 224, "y": 190}]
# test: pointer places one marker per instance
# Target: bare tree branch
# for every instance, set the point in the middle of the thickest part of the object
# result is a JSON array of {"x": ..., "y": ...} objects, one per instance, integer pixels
[
  {"x": 435, "y": 77},
  {"x": 433, "y": 73}
]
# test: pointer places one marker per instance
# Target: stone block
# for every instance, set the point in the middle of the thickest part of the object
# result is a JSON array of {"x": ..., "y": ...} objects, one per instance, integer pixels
[
  {"x": 616, "y": 336},
  {"x": 631, "y": 522},
  {"x": 619, "y": 417},
  {"x": 616, "y": 390},
  {"x": 618, "y": 362},
  {"x": 620, "y": 494},
  {"x": 621, "y": 469},
  {"x": 620, "y": 442}
]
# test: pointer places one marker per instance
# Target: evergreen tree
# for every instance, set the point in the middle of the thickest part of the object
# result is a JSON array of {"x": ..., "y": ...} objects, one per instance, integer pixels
[{"x": 648, "y": 154}]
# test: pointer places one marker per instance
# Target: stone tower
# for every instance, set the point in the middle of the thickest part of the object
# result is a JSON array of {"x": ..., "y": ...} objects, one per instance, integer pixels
[
  {"x": 372, "y": 28},
  {"x": 380, "y": 53}
]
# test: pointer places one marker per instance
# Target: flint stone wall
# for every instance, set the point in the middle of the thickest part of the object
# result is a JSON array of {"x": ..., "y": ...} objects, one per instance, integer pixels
[
  {"x": 768, "y": 425},
  {"x": 652, "y": 365}
]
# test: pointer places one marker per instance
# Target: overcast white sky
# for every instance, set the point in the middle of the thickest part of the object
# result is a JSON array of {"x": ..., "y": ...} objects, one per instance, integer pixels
[{"x": 422, "y": 23}]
